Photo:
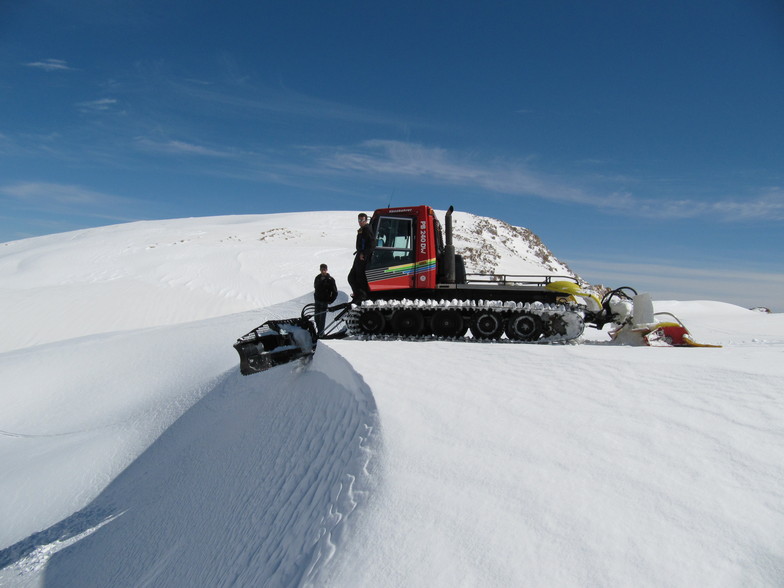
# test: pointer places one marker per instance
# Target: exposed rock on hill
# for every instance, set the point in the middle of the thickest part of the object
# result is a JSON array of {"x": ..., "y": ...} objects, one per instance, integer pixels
[{"x": 493, "y": 246}]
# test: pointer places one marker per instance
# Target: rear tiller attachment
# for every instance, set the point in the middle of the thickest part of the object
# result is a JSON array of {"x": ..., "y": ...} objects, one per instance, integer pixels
[{"x": 280, "y": 341}]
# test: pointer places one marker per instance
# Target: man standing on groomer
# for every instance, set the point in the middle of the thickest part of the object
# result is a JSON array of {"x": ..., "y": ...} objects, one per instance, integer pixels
[
  {"x": 324, "y": 293},
  {"x": 366, "y": 242}
]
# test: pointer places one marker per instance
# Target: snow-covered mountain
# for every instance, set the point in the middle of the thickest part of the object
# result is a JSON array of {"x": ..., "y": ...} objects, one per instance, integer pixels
[{"x": 133, "y": 453}]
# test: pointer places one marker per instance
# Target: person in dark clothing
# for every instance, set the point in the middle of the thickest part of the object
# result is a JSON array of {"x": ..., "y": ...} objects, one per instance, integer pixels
[
  {"x": 324, "y": 293},
  {"x": 366, "y": 242}
]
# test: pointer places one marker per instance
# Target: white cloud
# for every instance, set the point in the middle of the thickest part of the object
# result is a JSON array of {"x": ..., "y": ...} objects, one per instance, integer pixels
[
  {"x": 102, "y": 104},
  {"x": 50, "y": 65},
  {"x": 668, "y": 282},
  {"x": 248, "y": 99},
  {"x": 437, "y": 165},
  {"x": 47, "y": 194},
  {"x": 766, "y": 206},
  {"x": 180, "y": 148},
  {"x": 442, "y": 166},
  {"x": 769, "y": 205}
]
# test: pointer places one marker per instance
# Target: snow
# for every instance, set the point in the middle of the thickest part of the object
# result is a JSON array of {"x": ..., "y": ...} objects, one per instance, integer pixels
[{"x": 133, "y": 453}]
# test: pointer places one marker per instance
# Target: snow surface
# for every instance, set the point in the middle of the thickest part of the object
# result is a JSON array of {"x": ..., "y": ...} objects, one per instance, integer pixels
[{"x": 133, "y": 453}]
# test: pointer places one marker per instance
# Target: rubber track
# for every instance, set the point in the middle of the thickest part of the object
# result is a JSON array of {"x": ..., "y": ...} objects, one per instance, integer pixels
[{"x": 571, "y": 316}]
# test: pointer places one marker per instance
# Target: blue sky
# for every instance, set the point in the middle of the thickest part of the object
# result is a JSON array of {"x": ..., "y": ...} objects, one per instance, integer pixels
[{"x": 642, "y": 141}]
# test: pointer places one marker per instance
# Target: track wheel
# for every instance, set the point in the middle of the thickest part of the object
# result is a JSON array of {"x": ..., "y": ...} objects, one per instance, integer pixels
[
  {"x": 408, "y": 322},
  {"x": 524, "y": 327},
  {"x": 487, "y": 325},
  {"x": 448, "y": 323},
  {"x": 372, "y": 322},
  {"x": 557, "y": 327}
]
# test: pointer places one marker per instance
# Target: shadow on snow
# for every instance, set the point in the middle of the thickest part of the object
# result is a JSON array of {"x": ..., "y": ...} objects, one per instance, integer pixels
[{"x": 252, "y": 486}]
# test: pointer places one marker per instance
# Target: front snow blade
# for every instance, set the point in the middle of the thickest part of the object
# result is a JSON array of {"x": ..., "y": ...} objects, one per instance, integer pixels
[{"x": 274, "y": 343}]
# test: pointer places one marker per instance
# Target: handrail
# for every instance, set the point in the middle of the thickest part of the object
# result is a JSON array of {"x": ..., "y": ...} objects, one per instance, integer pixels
[{"x": 517, "y": 279}]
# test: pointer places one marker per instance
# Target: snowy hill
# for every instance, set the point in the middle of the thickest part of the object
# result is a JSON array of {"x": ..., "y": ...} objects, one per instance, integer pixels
[
  {"x": 133, "y": 452},
  {"x": 82, "y": 282}
]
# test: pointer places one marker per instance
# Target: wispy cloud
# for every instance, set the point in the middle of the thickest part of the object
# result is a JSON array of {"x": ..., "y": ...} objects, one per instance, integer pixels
[
  {"x": 671, "y": 282},
  {"x": 433, "y": 164},
  {"x": 658, "y": 270},
  {"x": 446, "y": 167},
  {"x": 100, "y": 105},
  {"x": 50, "y": 65},
  {"x": 252, "y": 100},
  {"x": 769, "y": 205},
  {"x": 173, "y": 147},
  {"x": 5, "y": 143},
  {"x": 44, "y": 195}
]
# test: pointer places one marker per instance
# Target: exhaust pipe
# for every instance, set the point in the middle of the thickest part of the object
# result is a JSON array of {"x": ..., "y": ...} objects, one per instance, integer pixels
[{"x": 449, "y": 249}]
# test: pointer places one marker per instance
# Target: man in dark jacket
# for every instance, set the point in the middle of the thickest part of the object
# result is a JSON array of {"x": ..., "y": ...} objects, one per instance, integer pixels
[
  {"x": 366, "y": 242},
  {"x": 324, "y": 293}
]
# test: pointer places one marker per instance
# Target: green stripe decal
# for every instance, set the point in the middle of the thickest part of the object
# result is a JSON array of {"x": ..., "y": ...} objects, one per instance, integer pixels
[{"x": 407, "y": 268}]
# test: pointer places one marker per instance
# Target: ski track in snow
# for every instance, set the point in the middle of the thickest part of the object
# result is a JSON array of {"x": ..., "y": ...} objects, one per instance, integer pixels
[{"x": 289, "y": 455}]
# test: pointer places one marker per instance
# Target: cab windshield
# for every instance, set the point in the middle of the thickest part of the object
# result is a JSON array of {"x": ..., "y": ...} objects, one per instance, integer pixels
[{"x": 394, "y": 242}]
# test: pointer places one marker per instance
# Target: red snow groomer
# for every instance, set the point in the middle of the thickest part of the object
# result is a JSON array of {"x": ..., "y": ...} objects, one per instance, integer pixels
[{"x": 419, "y": 289}]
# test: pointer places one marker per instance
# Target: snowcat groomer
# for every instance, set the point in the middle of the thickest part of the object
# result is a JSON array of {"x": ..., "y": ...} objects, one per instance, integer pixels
[{"x": 419, "y": 289}]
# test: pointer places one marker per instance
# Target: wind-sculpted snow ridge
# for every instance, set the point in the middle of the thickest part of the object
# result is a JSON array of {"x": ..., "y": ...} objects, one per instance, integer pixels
[{"x": 253, "y": 486}]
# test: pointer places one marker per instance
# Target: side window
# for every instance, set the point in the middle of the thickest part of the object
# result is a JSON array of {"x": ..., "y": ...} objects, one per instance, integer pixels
[{"x": 394, "y": 242}]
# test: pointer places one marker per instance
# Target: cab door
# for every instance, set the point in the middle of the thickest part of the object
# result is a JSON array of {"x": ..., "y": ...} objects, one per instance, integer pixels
[{"x": 392, "y": 264}]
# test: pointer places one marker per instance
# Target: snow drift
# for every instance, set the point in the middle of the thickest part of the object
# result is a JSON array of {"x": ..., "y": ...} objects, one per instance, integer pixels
[{"x": 133, "y": 453}]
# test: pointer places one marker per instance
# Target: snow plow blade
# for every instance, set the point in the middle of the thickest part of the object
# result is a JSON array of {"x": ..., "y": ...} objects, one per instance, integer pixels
[{"x": 274, "y": 343}]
